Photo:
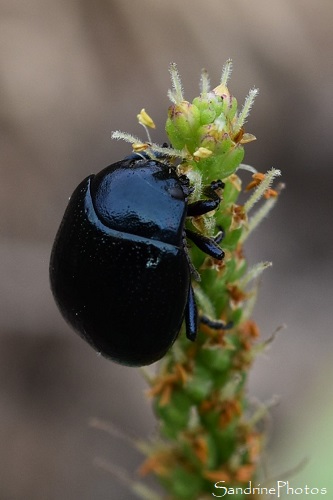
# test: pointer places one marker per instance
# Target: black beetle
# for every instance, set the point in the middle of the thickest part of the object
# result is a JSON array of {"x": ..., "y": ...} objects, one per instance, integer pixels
[{"x": 120, "y": 272}]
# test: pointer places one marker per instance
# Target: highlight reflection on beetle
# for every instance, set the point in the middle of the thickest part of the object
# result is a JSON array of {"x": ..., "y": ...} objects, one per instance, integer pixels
[{"x": 120, "y": 272}]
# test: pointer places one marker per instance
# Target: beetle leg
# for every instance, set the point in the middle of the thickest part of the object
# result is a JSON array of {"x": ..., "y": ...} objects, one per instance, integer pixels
[
  {"x": 193, "y": 270},
  {"x": 208, "y": 245},
  {"x": 216, "y": 324},
  {"x": 191, "y": 316},
  {"x": 202, "y": 207}
]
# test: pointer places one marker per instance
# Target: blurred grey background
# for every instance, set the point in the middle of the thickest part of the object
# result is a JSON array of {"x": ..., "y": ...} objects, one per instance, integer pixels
[{"x": 70, "y": 73}]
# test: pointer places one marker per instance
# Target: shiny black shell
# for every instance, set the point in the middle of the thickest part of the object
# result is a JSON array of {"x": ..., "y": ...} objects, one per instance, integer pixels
[{"x": 119, "y": 270}]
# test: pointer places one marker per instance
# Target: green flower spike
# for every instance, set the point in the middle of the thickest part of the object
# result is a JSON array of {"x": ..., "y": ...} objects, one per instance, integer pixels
[
  {"x": 209, "y": 130},
  {"x": 209, "y": 432}
]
